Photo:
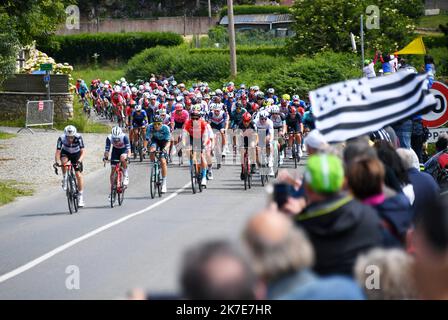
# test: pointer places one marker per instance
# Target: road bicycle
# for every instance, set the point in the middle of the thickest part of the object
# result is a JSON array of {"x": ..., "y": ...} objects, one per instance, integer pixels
[
  {"x": 72, "y": 191},
  {"x": 155, "y": 183},
  {"x": 117, "y": 188}
]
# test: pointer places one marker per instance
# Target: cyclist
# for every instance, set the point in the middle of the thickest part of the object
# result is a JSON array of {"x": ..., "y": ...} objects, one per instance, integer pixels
[
  {"x": 70, "y": 147},
  {"x": 121, "y": 151},
  {"x": 178, "y": 119},
  {"x": 295, "y": 128},
  {"x": 265, "y": 127},
  {"x": 248, "y": 131},
  {"x": 270, "y": 95},
  {"x": 278, "y": 120},
  {"x": 158, "y": 136},
  {"x": 284, "y": 104},
  {"x": 299, "y": 104},
  {"x": 196, "y": 129},
  {"x": 139, "y": 120},
  {"x": 235, "y": 119},
  {"x": 217, "y": 118}
]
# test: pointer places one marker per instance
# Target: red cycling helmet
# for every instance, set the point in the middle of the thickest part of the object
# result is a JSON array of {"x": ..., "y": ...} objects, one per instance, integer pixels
[
  {"x": 292, "y": 110},
  {"x": 247, "y": 117},
  {"x": 255, "y": 107}
]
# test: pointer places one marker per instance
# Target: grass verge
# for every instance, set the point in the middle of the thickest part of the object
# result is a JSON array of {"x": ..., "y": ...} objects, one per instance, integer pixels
[
  {"x": 5, "y": 135},
  {"x": 10, "y": 190}
]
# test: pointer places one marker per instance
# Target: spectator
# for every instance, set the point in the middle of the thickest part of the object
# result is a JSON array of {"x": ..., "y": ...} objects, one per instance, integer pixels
[
  {"x": 356, "y": 149},
  {"x": 283, "y": 257},
  {"x": 365, "y": 179},
  {"x": 396, "y": 175},
  {"x": 339, "y": 226},
  {"x": 315, "y": 142},
  {"x": 433, "y": 167},
  {"x": 395, "y": 278},
  {"x": 431, "y": 251},
  {"x": 426, "y": 189},
  {"x": 217, "y": 271},
  {"x": 430, "y": 68}
]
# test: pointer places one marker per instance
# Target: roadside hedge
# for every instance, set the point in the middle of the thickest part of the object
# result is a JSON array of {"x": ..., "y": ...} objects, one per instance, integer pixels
[
  {"x": 248, "y": 9},
  {"x": 201, "y": 65},
  {"x": 266, "y": 50},
  {"x": 80, "y": 48},
  {"x": 435, "y": 41}
]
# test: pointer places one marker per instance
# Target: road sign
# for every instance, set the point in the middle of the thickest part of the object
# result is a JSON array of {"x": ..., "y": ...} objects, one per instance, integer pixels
[
  {"x": 47, "y": 78},
  {"x": 439, "y": 116},
  {"x": 46, "y": 67},
  {"x": 41, "y": 106}
]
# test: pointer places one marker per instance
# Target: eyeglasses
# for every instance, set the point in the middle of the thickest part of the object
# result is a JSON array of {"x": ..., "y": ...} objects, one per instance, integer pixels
[
  {"x": 157, "y": 124},
  {"x": 262, "y": 118}
]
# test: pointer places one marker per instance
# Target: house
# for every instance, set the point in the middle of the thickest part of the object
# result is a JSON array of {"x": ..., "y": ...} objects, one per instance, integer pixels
[{"x": 264, "y": 22}]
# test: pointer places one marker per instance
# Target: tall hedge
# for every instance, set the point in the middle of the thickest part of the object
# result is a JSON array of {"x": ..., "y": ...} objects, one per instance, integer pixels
[
  {"x": 81, "y": 47},
  {"x": 247, "y": 9},
  {"x": 266, "y": 50}
]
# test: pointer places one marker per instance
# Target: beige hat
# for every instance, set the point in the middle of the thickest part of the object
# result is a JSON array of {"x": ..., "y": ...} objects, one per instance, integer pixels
[{"x": 315, "y": 140}]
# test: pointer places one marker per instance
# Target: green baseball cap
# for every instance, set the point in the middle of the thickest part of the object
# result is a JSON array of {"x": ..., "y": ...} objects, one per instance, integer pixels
[{"x": 324, "y": 173}]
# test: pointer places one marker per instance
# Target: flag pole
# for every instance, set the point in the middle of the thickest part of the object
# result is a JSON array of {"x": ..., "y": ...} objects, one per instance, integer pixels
[{"x": 362, "y": 42}]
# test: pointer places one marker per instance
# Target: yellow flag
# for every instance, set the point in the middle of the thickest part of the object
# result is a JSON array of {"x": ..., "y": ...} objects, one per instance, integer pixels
[{"x": 415, "y": 47}]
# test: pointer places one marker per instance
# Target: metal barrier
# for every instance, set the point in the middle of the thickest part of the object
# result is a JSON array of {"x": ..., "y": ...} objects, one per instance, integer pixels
[{"x": 39, "y": 113}]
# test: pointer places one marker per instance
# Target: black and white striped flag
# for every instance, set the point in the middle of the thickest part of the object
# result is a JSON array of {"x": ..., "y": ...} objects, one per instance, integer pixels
[{"x": 353, "y": 108}]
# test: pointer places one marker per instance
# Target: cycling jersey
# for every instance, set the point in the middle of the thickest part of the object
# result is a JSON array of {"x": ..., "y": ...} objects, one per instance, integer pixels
[
  {"x": 293, "y": 123},
  {"x": 139, "y": 119},
  {"x": 278, "y": 121},
  {"x": 236, "y": 117},
  {"x": 71, "y": 148},
  {"x": 308, "y": 120},
  {"x": 179, "y": 118},
  {"x": 192, "y": 128},
  {"x": 267, "y": 126},
  {"x": 249, "y": 129},
  {"x": 121, "y": 143},
  {"x": 217, "y": 119},
  {"x": 163, "y": 134}
]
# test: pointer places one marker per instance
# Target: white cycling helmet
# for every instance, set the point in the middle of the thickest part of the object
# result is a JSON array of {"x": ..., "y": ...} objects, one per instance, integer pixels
[
  {"x": 116, "y": 132},
  {"x": 134, "y": 90},
  {"x": 275, "y": 109},
  {"x": 70, "y": 131},
  {"x": 264, "y": 114},
  {"x": 218, "y": 92},
  {"x": 138, "y": 107},
  {"x": 123, "y": 79},
  {"x": 141, "y": 87},
  {"x": 146, "y": 95},
  {"x": 271, "y": 90},
  {"x": 106, "y": 82}
]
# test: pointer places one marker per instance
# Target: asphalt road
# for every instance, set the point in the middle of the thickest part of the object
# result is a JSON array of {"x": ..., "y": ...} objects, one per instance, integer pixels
[{"x": 140, "y": 244}]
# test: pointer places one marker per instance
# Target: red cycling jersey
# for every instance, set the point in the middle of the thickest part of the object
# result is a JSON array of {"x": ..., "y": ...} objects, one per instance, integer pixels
[{"x": 193, "y": 129}]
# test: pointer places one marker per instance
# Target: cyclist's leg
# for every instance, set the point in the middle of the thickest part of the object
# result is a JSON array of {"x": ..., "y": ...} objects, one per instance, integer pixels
[{"x": 164, "y": 145}]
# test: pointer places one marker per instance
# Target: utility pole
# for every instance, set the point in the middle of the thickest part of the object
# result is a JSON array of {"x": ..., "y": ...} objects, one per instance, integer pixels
[
  {"x": 209, "y": 9},
  {"x": 362, "y": 42},
  {"x": 232, "y": 45}
]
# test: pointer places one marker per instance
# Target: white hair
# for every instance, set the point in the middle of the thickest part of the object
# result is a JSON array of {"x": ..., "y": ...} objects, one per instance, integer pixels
[{"x": 408, "y": 158}]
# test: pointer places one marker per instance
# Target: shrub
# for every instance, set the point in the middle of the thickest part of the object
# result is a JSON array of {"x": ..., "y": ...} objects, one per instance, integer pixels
[
  {"x": 204, "y": 66},
  {"x": 81, "y": 47},
  {"x": 265, "y": 50},
  {"x": 248, "y": 9}
]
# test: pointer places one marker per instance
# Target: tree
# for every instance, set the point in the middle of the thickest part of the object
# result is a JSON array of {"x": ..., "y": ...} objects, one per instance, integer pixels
[
  {"x": 21, "y": 22},
  {"x": 326, "y": 24}
]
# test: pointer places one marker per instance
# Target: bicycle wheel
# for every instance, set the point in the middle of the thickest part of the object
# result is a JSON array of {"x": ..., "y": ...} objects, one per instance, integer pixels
[
  {"x": 193, "y": 176},
  {"x": 120, "y": 188},
  {"x": 113, "y": 191},
  {"x": 70, "y": 201},
  {"x": 159, "y": 184},
  {"x": 198, "y": 177},
  {"x": 245, "y": 172},
  {"x": 249, "y": 178},
  {"x": 295, "y": 153},
  {"x": 152, "y": 183},
  {"x": 140, "y": 147}
]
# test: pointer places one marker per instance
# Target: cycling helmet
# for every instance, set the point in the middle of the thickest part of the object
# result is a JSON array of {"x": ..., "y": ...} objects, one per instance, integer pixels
[
  {"x": 101, "y": 85},
  {"x": 157, "y": 118},
  {"x": 152, "y": 97},
  {"x": 132, "y": 104},
  {"x": 173, "y": 83},
  {"x": 152, "y": 79},
  {"x": 196, "y": 107},
  {"x": 156, "y": 92},
  {"x": 242, "y": 86},
  {"x": 295, "y": 98},
  {"x": 239, "y": 105},
  {"x": 161, "y": 112},
  {"x": 230, "y": 95},
  {"x": 260, "y": 95},
  {"x": 146, "y": 95},
  {"x": 286, "y": 97},
  {"x": 275, "y": 109},
  {"x": 134, "y": 90},
  {"x": 255, "y": 107},
  {"x": 206, "y": 96},
  {"x": 70, "y": 131},
  {"x": 179, "y": 106},
  {"x": 271, "y": 90},
  {"x": 256, "y": 88},
  {"x": 117, "y": 90},
  {"x": 106, "y": 82},
  {"x": 247, "y": 117},
  {"x": 264, "y": 114},
  {"x": 116, "y": 132},
  {"x": 218, "y": 92},
  {"x": 138, "y": 108},
  {"x": 123, "y": 79},
  {"x": 269, "y": 101},
  {"x": 292, "y": 110}
]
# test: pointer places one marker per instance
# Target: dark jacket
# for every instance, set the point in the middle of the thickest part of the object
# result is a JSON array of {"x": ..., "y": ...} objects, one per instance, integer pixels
[
  {"x": 396, "y": 215},
  {"x": 426, "y": 190},
  {"x": 340, "y": 228}
]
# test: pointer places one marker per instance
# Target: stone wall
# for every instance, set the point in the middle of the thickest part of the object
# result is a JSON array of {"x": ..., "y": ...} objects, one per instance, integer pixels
[
  {"x": 13, "y": 104},
  {"x": 180, "y": 25}
]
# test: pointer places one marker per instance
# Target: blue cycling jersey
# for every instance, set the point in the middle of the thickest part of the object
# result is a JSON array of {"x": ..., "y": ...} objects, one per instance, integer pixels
[
  {"x": 139, "y": 119},
  {"x": 163, "y": 134}
]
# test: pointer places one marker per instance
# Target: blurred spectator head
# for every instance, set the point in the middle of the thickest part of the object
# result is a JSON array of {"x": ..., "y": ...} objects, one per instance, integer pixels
[
  {"x": 276, "y": 246},
  {"x": 365, "y": 177},
  {"x": 324, "y": 176},
  {"x": 315, "y": 142},
  {"x": 409, "y": 158},
  {"x": 394, "y": 269},
  {"x": 395, "y": 169},
  {"x": 217, "y": 271},
  {"x": 359, "y": 148},
  {"x": 442, "y": 142},
  {"x": 430, "y": 242}
]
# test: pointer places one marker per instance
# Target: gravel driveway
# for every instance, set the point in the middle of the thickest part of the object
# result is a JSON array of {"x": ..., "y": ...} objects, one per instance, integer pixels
[{"x": 29, "y": 157}]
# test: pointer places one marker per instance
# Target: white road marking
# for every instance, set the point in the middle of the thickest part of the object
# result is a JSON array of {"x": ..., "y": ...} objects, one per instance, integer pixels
[{"x": 64, "y": 247}]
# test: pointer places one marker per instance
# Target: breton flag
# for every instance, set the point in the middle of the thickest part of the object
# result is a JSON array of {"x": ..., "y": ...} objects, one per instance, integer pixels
[{"x": 356, "y": 107}]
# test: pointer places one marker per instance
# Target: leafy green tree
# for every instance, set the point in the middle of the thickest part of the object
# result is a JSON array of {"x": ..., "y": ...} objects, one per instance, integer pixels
[
  {"x": 21, "y": 22},
  {"x": 326, "y": 24}
]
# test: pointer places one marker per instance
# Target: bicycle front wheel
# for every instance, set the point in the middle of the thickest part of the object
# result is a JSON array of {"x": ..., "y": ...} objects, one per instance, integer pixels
[
  {"x": 152, "y": 182},
  {"x": 193, "y": 177},
  {"x": 121, "y": 188},
  {"x": 70, "y": 200}
]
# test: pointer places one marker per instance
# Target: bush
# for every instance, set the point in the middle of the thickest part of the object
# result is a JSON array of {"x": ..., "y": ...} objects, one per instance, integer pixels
[
  {"x": 307, "y": 74},
  {"x": 202, "y": 66},
  {"x": 265, "y": 50},
  {"x": 81, "y": 47},
  {"x": 435, "y": 41},
  {"x": 247, "y": 9}
]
